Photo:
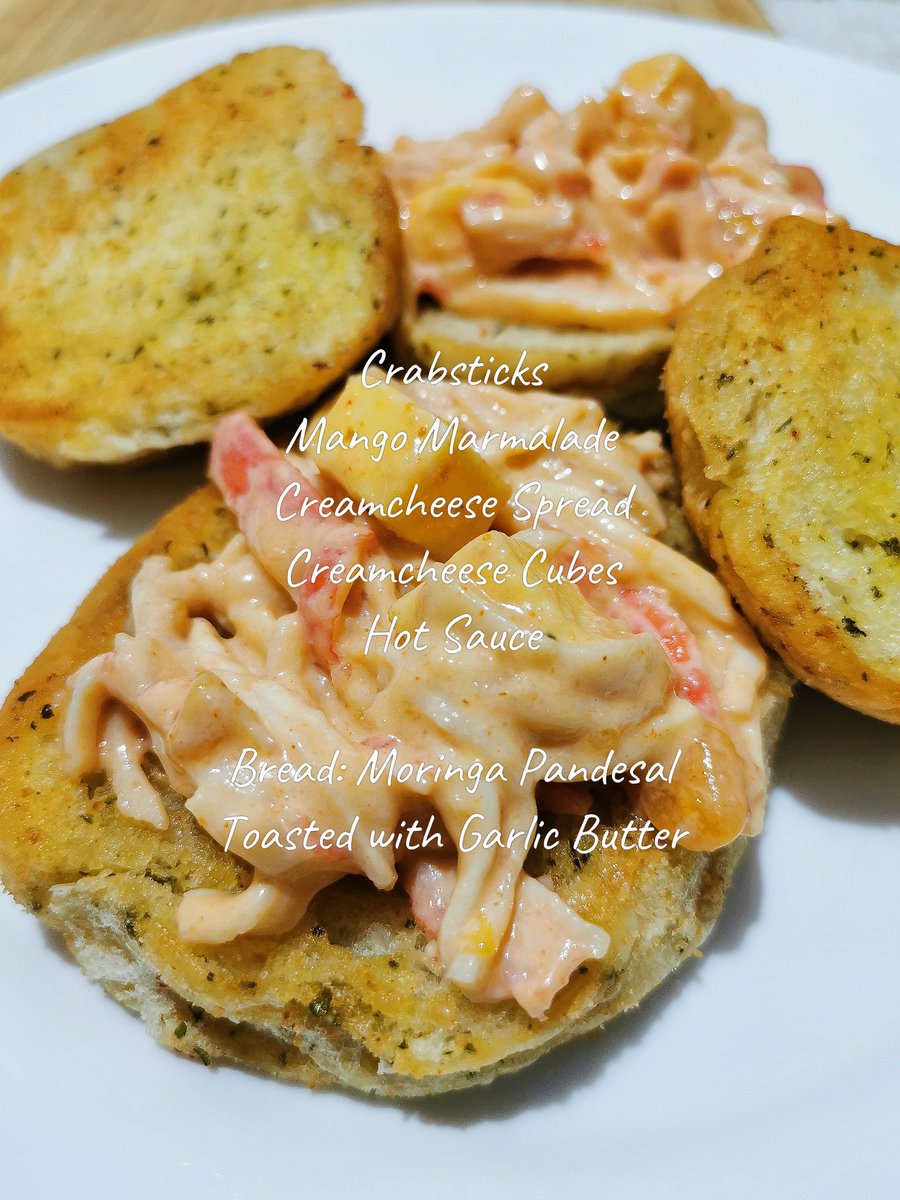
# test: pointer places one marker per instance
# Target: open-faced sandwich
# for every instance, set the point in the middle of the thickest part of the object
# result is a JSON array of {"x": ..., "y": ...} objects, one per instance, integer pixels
[
  {"x": 396, "y": 760},
  {"x": 576, "y": 238}
]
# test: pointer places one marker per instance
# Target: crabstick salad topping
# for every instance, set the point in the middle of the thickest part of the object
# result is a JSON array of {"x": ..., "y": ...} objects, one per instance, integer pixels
[
  {"x": 579, "y": 636},
  {"x": 610, "y": 216}
]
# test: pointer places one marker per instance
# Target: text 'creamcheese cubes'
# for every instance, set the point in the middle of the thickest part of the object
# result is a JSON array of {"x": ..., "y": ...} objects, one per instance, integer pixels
[
  {"x": 511, "y": 588},
  {"x": 422, "y": 477}
]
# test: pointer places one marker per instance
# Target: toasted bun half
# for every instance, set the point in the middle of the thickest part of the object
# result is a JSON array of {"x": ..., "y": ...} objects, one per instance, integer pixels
[
  {"x": 620, "y": 369},
  {"x": 782, "y": 399},
  {"x": 230, "y": 246},
  {"x": 347, "y": 999}
]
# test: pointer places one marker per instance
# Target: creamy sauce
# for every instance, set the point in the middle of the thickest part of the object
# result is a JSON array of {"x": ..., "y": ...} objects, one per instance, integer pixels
[
  {"x": 610, "y": 216},
  {"x": 223, "y": 656}
]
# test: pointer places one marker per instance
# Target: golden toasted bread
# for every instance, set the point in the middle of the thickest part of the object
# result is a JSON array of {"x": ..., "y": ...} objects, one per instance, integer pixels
[
  {"x": 348, "y": 998},
  {"x": 230, "y": 246},
  {"x": 782, "y": 398}
]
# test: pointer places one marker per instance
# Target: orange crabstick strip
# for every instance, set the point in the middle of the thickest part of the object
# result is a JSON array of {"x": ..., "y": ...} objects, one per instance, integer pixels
[{"x": 258, "y": 481}]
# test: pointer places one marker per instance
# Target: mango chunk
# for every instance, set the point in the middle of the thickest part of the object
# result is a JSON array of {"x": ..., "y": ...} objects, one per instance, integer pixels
[
  {"x": 416, "y": 483},
  {"x": 672, "y": 80}
]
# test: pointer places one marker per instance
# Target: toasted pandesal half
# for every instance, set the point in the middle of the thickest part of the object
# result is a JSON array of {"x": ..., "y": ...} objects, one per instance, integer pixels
[
  {"x": 782, "y": 398},
  {"x": 348, "y": 998},
  {"x": 231, "y": 246}
]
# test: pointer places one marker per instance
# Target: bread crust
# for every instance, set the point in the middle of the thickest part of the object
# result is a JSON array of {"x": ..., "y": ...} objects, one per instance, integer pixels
[
  {"x": 347, "y": 999},
  {"x": 620, "y": 369},
  {"x": 230, "y": 246},
  {"x": 781, "y": 401}
]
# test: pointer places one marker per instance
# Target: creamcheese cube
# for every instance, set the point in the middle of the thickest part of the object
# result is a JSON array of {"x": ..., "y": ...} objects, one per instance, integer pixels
[
  {"x": 525, "y": 595},
  {"x": 416, "y": 471}
]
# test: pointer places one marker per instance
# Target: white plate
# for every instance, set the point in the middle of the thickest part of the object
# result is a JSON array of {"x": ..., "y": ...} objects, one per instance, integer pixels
[{"x": 767, "y": 1070}]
